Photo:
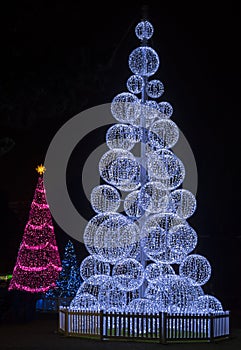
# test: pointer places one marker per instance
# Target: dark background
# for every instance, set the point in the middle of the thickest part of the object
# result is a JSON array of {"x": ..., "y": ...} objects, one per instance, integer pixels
[{"x": 61, "y": 57}]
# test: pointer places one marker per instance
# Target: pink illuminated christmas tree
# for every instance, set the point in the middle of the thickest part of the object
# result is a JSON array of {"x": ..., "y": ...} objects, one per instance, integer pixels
[{"x": 38, "y": 262}]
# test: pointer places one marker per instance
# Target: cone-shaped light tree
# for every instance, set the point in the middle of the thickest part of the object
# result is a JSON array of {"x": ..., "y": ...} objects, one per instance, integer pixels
[
  {"x": 141, "y": 245},
  {"x": 38, "y": 262},
  {"x": 69, "y": 278}
]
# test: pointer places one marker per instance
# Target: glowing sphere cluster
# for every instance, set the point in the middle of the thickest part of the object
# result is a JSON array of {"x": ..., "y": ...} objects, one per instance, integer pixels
[{"x": 139, "y": 240}]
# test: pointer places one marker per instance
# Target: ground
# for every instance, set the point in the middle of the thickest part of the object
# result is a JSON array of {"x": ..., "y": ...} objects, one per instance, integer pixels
[{"x": 42, "y": 333}]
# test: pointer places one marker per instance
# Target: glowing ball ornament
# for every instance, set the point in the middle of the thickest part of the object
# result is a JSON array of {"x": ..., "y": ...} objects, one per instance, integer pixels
[
  {"x": 85, "y": 302},
  {"x": 135, "y": 84},
  {"x": 144, "y": 30},
  {"x": 125, "y": 107},
  {"x": 115, "y": 238},
  {"x": 129, "y": 274},
  {"x": 121, "y": 136},
  {"x": 150, "y": 110},
  {"x": 154, "y": 272},
  {"x": 154, "y": 88},
  {"x": 182, "y": 238},
  {"x": 165, "y": 166},
  {"x": 207, "y": 304},
  {"x": 183, "y": 203},
  {"x": 163, "y": 133},
  {"x": 105, "y": 198},
  {"x": 132, "y": 205},
  {"x": 166, "y": 109},
  {"x": 111, "y": 297},
  {"x": 154, "y": 197},
  {"x": 90, "y": 266},
  {"x": 197, "y": 268},
  {"x": 142, "y": 306},
  {"x": 120, "y": 168},
  {"x": 92, "y": 285},
  {"x": 144, "y": 61}
]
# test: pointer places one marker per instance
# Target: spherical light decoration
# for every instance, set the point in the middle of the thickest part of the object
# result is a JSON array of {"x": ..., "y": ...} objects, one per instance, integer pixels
[
  {"x": 129, "y": 274},
  {"x": 150, "y": 110},
  {"x": 144, "y": 61},
  {"x": 115, "y": 238},
  {"x": 90, "y": 230},
  {"x": 111, "y": 297},
  {"x": 119, "y": 168},
  {"x": 183, "y": 203},
  {"x": 142, "y": 306},
  {"x": 121, "y": 136},
  {"x": 165, "y": 109},
  {"x": 131, "y": 205},
  {"x": 85, "y": 302},
  {"x": 154, "y": 272},
  {"x": 125, "y": 107},
  {"x": 154, "y": 197},
  {"x": 182, "y": 237},
  {"x": 90, "y": 266},
  {"x": 92, "y": 285},
  {"x": 207, "y": 304},
  {"x": 105, "y": 198},
  {"x": 155, "y": 243},
  {"x": 181, "y": 293},
  {"x": 154, "y": 88},
  {"x": 163, "y": 133},
  {"x": 197, "y": 268},
  {"x": 135, "y": 84},
  {"x": 144, "y": 30},
  {"x": 165, "y": 166}
]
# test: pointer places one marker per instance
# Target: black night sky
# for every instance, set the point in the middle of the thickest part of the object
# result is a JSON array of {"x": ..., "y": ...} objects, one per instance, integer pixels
[{"x": 59, "y": 58}]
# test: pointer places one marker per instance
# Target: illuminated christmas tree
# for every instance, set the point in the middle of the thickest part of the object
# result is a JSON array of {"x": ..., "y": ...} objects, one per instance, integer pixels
[
  {"x": 38, "y": 263},
  {"x": 140, "y": 242},
  {"x": 69, "y": 278}
]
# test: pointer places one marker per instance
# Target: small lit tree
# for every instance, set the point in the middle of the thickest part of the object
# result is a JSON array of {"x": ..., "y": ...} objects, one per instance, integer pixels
[
  {"x": 38, "y": 262},
  {"x": 69, "y": 278}
]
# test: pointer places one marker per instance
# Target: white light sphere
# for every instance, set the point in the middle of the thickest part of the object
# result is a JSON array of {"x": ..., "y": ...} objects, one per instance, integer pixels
[
  {"x": 125, "y": 107},
  {"x": 154, "y": 88},
  {"x": 197, "y": 268},
  {"x": 115, "y": 238},
  {"x": 85, "y": 302},
  {"x": 135, "y": 84},
  {"x": 144, "y": 61},
  {"x": 111, "y": 297},
  {"x": 90, "y": 266},
  {"x": 92, "y": 285},
  {"x": 119, "y": 168},
  {"x": 165, "y": 109},
  {"x": 207, "y": 304},
  {"x": 132, "y": 206},
  {"x": 154, "y": 197},
  {"x": 150, "y": 110},
  {"x": 105, "y": 198},
  {"x": 142, "y": 306},
  {"x": 182, "y": 237},
  {"x": 90, "y": 230},
  {"x": 129, "y": 274},
  {"x": 182, "y": 203},
  {"x": 163, "y": 133},
  {"x": 144, "y": 30},
  {"x": 165, "y": 166},
  {"x": 154, "y": 272},
  {"x": 121, "y": 136}
]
